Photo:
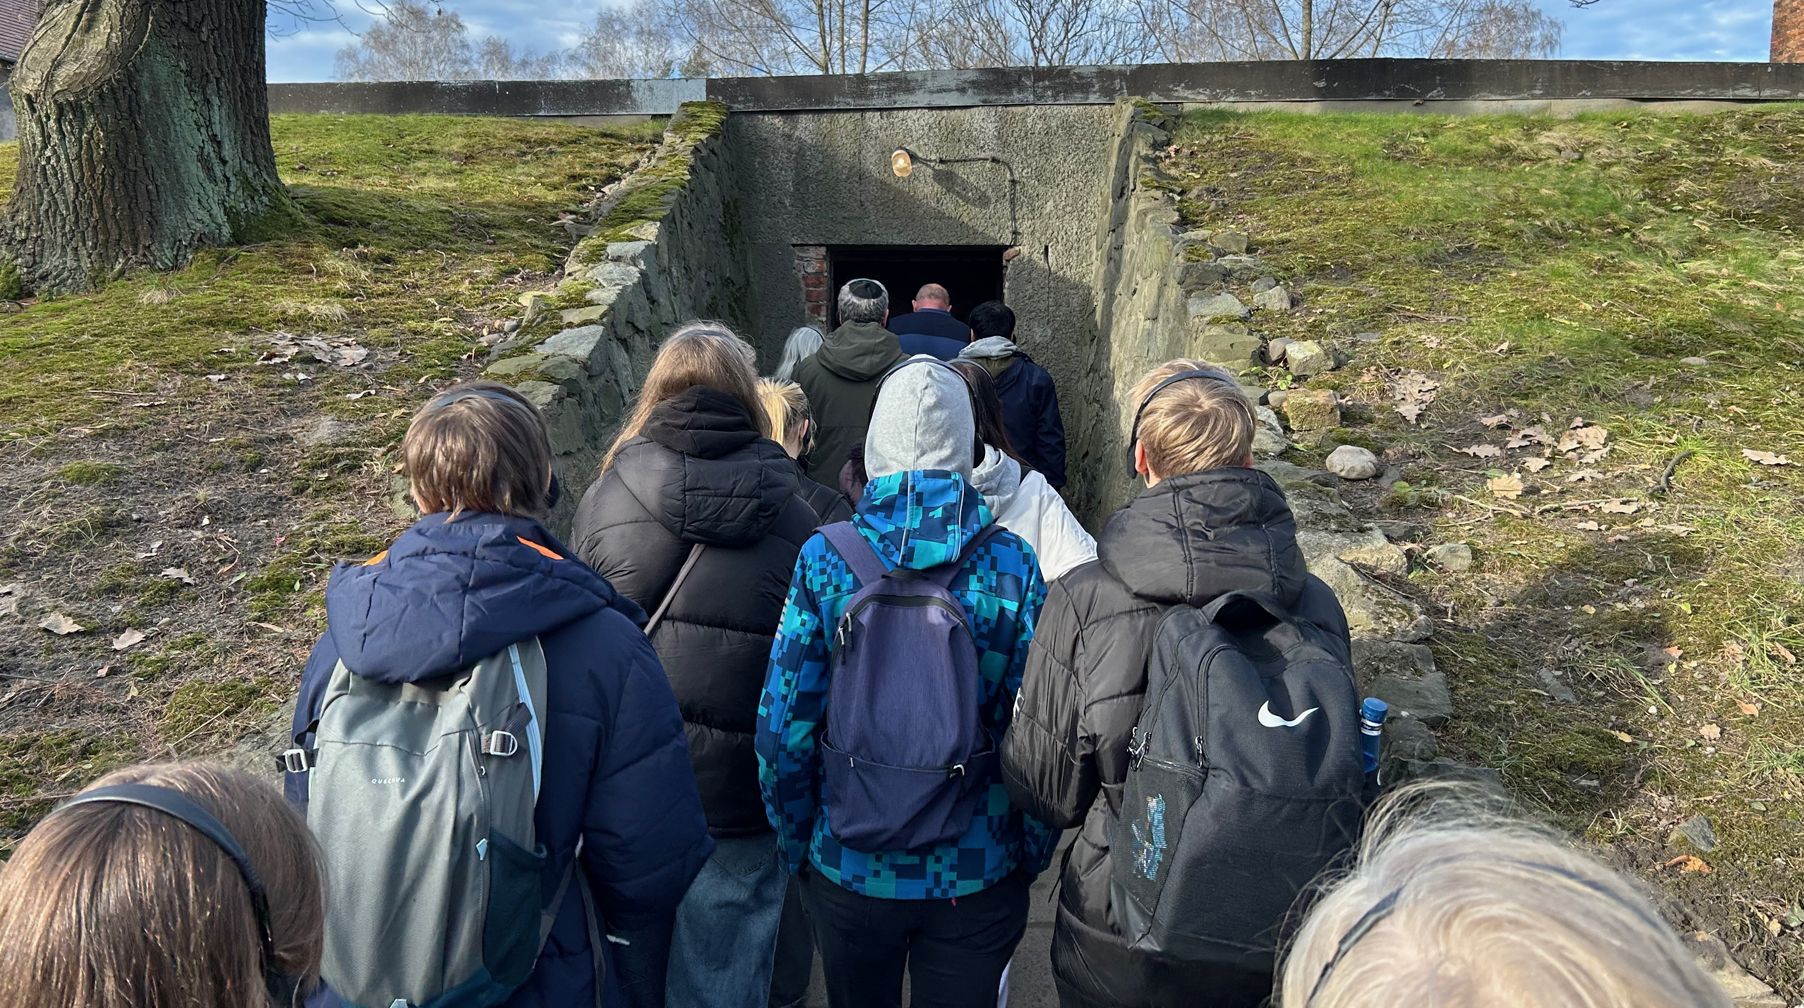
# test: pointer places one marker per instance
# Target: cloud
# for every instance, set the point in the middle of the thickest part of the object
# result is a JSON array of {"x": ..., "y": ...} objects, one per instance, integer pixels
[
  {"x": 1733, "y": 30},
  {"x": 303, "y": 50}
]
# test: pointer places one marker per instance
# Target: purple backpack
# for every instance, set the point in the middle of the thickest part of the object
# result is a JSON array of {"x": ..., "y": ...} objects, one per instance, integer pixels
[{"x": 906, "y": 755}]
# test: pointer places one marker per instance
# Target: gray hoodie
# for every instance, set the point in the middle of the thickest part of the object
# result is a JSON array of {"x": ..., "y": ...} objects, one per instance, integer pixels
[{"x": 922, "y": 420}]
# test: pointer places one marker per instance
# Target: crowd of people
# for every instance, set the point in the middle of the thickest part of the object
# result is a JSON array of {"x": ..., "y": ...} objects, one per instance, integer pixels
[{"x": 827, "y": 669}]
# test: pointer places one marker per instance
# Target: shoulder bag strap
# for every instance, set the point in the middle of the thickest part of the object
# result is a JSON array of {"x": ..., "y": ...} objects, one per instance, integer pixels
[
  {"x": 867, "y": 567},
  {"x": 695, "y": 553}
]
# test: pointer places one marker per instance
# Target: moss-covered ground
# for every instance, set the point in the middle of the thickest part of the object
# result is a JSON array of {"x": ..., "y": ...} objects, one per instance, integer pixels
[
  {"x": 1628, "y": 658},
  {"x": 184, "y": 456}
]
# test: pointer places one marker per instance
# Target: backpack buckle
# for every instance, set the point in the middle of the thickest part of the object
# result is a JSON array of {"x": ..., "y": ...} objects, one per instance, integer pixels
[
  {"x": 296, "y": 760},
  {"x": 501, "y": 743}
]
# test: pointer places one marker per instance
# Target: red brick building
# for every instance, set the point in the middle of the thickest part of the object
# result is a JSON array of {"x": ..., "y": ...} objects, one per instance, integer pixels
[{"x": 1788, "y": 31}]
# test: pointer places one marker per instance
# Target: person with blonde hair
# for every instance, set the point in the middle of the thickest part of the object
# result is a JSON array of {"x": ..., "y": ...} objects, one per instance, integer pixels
[
  {"x": 615, "y": 813},
  {"x": 1206, "y": 524},
  {"x": 176, "y": 885},
  {"x": 792, "y": 426},
  {"x": 698, "y": 519},
  {"x": 1452, "y": 905}
]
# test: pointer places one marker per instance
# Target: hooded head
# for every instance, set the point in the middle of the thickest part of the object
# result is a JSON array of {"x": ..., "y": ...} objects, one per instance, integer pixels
[{"x": 922, "y": 420}]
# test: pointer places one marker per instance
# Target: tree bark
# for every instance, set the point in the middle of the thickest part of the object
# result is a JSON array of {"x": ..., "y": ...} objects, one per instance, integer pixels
[{"x": 143, "y": 136}]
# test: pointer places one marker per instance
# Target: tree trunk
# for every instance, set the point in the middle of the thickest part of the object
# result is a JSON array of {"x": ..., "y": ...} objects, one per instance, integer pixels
[{"x": 143, "y": 136}]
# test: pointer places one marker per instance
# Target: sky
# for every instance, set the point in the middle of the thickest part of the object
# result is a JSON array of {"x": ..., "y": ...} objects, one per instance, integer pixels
[{"x": 1736, "y": 30}]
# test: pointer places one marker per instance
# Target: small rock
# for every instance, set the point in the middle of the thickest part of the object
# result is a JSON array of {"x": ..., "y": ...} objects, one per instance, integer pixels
[
  {"x": 1352, "y": 462},
  {"x": 1407, "y": 738},
  {"x": 534, "y": 301},
  {"x": 1556, "y": 687},
  {"x": 1254, "y": 393},
  {"x": 1274, "y": 351},
  {"x": 629, "y": 252},
  {"x": 1312, "y": 409},
  {"x": 1268, "y": 419},
  {"x": 1234, "y": 242},
  {"x": 647, "y": 231},
  {"x": 511, "y": 325},
  {"x": 614, "y": 274},
  {"x": 1243, "y": 267},
  {"x": 1401, "y": 531},
  {"x": 583, "y": 343},
  {"x": 1366, "y": 337},
  {"x": 583, "y": 316},
  {"x": 1391, "y": 475},
  {"x": 1197, "y": 275},
  {"x": 1204, "y": 307},
  {"x": 1231, "y": 345},
  {"x": 1264, "y": 283},
  {"x": 1306, "y": 358},
  {"x": 523, "y": 364},
  {"x": 1275, "y": 398},
  {"x": 1694, "y": 362},
  {"x": 1268, "y": 444},
  {"x": 1695, "y": 831},
  {"x": 1743, "y": 988},
  {"x": 1274, "y": 299},
  {"x": 327, "y": 431},
  {"x": 1455, "y": 557}
]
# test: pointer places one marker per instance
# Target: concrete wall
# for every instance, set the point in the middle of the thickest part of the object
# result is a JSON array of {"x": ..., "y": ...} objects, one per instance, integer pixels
[
  {"x": 810, "y": 179},
  {"x": 1401, "y": 85}
]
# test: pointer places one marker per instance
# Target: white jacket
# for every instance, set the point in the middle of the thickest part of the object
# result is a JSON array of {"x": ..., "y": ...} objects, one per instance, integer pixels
[{"x": 1033, "y": 510}]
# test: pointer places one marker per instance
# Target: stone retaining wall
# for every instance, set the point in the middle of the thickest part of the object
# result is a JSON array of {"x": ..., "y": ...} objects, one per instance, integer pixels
[{"x": 656, "y": 255}]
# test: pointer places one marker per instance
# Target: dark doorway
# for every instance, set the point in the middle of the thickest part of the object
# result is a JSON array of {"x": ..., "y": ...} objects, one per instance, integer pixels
[{"x": 972, "y": 274}]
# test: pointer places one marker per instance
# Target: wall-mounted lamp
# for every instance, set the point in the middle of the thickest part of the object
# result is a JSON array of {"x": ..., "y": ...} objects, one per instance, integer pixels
[{"x": 902, "y": 162}]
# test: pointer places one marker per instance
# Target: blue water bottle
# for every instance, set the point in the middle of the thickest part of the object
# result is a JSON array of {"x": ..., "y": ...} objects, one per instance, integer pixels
[{"x": 1371, "y": 729}]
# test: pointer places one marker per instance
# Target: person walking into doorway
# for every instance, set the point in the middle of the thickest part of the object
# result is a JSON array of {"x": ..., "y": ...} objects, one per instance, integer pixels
[
  {"x": 1030, "y": 400},
  {"x": 931, "y": 327},
  {"x": 840, "y": 380}
]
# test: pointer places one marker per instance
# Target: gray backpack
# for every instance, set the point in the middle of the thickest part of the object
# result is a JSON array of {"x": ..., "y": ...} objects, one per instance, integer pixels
[{"x": 422, "y": 797}]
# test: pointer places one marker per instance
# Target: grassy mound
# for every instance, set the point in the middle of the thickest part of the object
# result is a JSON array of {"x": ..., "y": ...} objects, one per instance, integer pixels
[
  {"x": 183, "y": 457},
  {"x": 1625, "y": 654}
]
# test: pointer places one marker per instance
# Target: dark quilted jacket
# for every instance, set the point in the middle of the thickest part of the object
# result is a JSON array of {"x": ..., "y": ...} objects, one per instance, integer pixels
[
  {"x": 1186, "y": 541},
  {"x": 700, "y": 473}
]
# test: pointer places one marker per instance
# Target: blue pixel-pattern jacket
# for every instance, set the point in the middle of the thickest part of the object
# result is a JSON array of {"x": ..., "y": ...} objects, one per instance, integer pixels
[
  {"x": 917, "y": 520},
  {"x": 449, "y": 593}
]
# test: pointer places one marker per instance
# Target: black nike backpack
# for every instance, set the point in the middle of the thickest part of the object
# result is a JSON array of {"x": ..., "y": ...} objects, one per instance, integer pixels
[{"x": 1244, "y": 781}]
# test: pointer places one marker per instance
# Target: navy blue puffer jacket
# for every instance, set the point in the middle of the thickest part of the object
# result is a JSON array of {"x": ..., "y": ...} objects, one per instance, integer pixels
[{"x": 449, "y": 593}]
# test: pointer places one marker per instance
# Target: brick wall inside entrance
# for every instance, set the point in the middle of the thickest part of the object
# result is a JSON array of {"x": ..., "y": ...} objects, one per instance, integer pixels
[
  {"x": 1788, "y": 31},
  {"x": 811, "y": 267}
]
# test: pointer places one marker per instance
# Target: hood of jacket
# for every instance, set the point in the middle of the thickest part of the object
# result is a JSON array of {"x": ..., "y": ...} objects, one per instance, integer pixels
[
  {"x": 1012, "y": 375},
  {"x": 1195, "y": 537},
  {"x": 448, "y": 594},
  {"x": 705, "y": 472},
  {"x": 921, "y": 420},
  {"x": 859, "y": 351},
  {"x": 921, "y": 518},
  {"x": 998, "y": 478}
]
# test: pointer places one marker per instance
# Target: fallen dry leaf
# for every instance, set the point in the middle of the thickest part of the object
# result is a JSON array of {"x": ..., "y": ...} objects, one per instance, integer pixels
[
  {"x": 179, "y": 573},
  {"x": 1481, "y": 451},
  {"x": 1528, "y": 436},
  {"x": 1494, "y": 422},
  {"x": 1750, "y": 709},
  {"x": 1620, "y": 507},
  {"x": 1622, "y": 736},
  {"x": 1690, "y": 863},
  {"x": 1782, "y": 651},
  {"x": 1764, "y": 457},
  {"x": 1413, "y": 392},
  {"x": 104, "y": 669},
  {"x": 61, "y": 625},
  {"x": 1589, "y": 526},
  {"x": 1673, "y": 652},
  {"x": 130, "y": 638},
  {"x": 1507, "y": 487},
  {"x": 1535, "y": 464},
  {"x": 1583, "y": 437},
  {"x": 1711, "y": 732},
  {"x": 1584, "y": 476}
]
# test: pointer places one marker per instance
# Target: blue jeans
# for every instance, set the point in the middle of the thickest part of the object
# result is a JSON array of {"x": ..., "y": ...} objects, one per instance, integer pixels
[{"x": 726, "y": 928}]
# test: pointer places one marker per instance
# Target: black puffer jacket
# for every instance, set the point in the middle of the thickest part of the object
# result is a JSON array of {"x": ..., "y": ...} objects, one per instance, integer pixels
[
  {"x": 829, "y": 504},
  {"x": 700, "y": 473},
  {"x": 1185, "y": 541}
]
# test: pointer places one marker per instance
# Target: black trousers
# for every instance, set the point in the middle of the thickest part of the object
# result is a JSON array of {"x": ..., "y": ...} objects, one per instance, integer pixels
[{"x": 954, "y": 950}]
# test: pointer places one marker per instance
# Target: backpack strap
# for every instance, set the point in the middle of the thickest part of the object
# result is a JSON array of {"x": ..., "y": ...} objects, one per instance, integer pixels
[
  {"x": 867, "y": 567},
  {"x": 943, "y": 574},
  {"x": 695, "y": 553}
]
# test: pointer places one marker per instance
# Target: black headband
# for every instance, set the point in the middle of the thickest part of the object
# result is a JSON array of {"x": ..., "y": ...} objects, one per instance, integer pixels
[
  {"x": 1134, "y": 432},
  {"x": 173, "y": 803}
]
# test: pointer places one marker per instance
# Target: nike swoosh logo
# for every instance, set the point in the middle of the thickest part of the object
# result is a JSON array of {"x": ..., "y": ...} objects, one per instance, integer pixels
[{"x": 1270, "y": 720}]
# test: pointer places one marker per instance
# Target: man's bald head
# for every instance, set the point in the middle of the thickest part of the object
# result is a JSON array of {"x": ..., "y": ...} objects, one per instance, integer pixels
[{"x": 932, "y": 296}]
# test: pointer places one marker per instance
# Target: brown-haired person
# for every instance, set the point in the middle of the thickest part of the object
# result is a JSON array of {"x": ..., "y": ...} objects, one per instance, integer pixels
[
  {"x": 697, "y": 517},
  {"x": 1206, "y": 524},
  {"x": 479, "y": 576},
  {"x": 180, "y": 885}
]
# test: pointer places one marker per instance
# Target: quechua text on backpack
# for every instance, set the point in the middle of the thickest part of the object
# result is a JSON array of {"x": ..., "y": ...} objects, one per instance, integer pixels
[
  {"x": 906, "y": 756},
  {"x": 421, "y": 796},
  {"x": 1244, "y": 781}
]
